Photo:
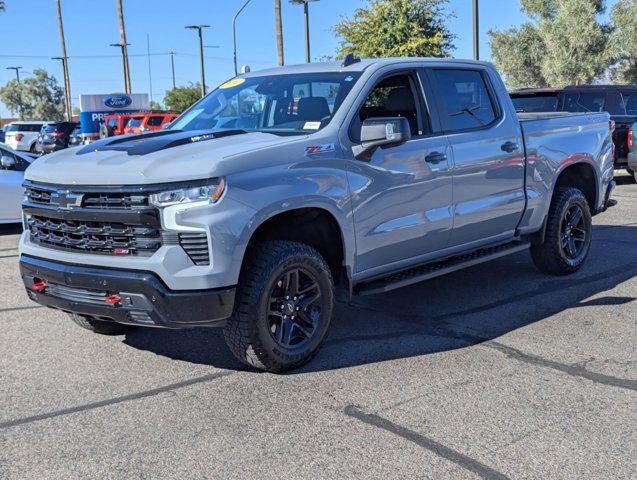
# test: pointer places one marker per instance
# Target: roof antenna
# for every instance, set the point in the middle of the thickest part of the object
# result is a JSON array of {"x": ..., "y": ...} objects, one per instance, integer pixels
[{"x": 350, "y": 59}]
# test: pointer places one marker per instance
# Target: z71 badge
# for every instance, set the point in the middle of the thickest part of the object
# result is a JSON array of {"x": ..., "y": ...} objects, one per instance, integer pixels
[{"x": 315, "y": 149}]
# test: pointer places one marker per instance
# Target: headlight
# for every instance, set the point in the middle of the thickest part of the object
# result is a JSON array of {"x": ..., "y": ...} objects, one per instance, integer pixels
[{"x": 211, "y": 192}]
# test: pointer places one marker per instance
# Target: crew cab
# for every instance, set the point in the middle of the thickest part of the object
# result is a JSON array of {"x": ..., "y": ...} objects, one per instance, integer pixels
[
  {"x": 355, "y": 177},
  {"x": 620, "y": 101}
]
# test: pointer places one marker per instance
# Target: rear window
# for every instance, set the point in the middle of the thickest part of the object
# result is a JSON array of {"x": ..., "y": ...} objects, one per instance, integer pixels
[
  {"x": 465, "y": 98},
  {"x": 135, "y": 122},
  {"x": 58, "y": 127},
  {"x": 582, "y": 102},
  {"x": 32, "y": 127},
  {"x": 112, "y": 122},
  {"x": 536, "y": 103}
]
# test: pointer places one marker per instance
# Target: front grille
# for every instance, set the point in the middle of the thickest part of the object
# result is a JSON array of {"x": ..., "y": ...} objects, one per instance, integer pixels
[
  {"x": 115, "y": 200},
  {"x": 94, "y": 237},
  {"x": 76, "y": 294},
  {"x": 196, "y": 246}
]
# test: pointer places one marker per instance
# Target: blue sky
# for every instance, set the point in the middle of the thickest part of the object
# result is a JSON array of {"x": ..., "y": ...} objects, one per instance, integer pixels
[{"x": 30, "y": 37}]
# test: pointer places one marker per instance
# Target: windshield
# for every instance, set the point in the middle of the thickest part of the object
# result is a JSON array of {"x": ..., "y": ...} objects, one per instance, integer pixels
[
  {"x": 280, "y": 104},
  {"x": 535, "y": 103}
]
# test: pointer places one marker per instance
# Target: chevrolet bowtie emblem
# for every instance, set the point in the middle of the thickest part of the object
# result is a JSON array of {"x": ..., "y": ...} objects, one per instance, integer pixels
[{"x": 65, "y": 200}]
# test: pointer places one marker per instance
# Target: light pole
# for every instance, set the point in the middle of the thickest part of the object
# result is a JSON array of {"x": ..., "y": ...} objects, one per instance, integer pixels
[
  {"x": 199, "y": 28},
  {"x": 234, "y": 34},
  {"x": 17, "y": 72},
  {"x": 306, "y": 11},
  {"x": 122, "y": 35},
  {"x": 172, "y": 64},
  {"x": 476, "y": 31},
  {"x": 125, "y": 64},
  {"x": 279, "y": 31}
]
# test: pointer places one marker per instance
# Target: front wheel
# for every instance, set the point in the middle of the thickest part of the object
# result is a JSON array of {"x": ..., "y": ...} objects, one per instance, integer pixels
[
  {"x": 283, "y": 308},
  {"x": 568, "y": 234}
]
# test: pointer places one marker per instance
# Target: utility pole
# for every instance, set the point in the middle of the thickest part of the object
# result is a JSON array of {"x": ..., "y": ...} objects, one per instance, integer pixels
[
  {"x": 65, "y": 65},
  {"x": 476, "y": 31},
  {"x": 123, "y": 47},
  {"x": 234, "y": 35},
  {"x": 279, "y": 31},
  {"x": 306, "y": 11},
  {"x": 122, "y": 34},
  {"x": 199, "y": 28},
  {"x": 172, "y": 64}
]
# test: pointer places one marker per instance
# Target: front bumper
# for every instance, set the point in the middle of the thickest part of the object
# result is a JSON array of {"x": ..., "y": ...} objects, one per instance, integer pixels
[{"x": 143, "y": 298}]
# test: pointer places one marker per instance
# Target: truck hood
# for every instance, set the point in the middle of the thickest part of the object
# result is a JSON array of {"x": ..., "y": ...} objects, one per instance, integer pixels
[{"x": 155, "y": 157}]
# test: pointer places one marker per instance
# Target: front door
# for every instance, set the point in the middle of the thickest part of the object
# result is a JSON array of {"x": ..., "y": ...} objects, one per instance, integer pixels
[
  {"x": 401, "y": 198},
  {"x": 488, "y": 156},
  {"x": 11, "y": 190}
]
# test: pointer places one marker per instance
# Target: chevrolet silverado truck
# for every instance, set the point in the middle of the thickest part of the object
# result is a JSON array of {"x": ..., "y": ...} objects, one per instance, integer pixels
[{"x": 336, "y": 179}]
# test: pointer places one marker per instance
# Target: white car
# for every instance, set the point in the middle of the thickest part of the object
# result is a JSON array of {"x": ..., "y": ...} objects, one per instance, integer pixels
[
  {"x": 23, "y": 135},
  {"x": 12, "y": 167}
]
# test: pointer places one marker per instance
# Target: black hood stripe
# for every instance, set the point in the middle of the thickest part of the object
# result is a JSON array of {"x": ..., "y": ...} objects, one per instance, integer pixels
[{"x": 155, "y": 141}]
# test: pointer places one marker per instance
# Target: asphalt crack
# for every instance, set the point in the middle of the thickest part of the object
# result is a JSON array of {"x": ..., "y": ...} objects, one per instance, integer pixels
[
  {"x": 460, "y": 459},
  {"x": 114, "y": 401}
]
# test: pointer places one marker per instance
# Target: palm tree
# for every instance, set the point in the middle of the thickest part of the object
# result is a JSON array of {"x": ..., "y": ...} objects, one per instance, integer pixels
[{"x": 279, "y": 30}]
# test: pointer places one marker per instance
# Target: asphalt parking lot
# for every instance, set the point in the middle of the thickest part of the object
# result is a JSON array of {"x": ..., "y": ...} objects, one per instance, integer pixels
[{"x": 495, "y": 372}]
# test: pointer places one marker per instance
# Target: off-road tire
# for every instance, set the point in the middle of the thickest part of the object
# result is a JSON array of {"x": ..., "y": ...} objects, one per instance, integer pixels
[
  {"x": 247, "y": 332},
  {"x": 99, "y": 326},
  {"x": 549, "y": 256}
]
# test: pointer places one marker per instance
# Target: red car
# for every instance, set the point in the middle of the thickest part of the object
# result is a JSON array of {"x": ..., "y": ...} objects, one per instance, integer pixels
[
  {"x": 114, "y": 124},
  {"x": 148, "y": 121}
]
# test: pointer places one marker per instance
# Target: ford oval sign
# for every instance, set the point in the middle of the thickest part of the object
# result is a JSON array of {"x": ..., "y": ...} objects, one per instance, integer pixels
[{"x": 117, "y": 101}]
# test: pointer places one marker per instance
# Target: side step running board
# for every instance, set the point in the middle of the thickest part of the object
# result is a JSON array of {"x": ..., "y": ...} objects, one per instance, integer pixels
[{"x": 436, "y": 269}]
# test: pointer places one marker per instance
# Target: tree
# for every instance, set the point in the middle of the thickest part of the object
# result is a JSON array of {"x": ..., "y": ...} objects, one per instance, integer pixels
[
  {"x": 564, "y": 43},
  {"x": 39, "y": 97},
  {"x": 180, "y": 98},
  {"x": 623, "y": 41},
  {"x": 396, "y": 28},
  {"x": 154, "y": 105}
]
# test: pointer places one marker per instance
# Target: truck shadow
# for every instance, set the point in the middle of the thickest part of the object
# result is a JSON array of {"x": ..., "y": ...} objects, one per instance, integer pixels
[
  {"x": 10, "y": 229},
  {"x": 447, "y": 313}
]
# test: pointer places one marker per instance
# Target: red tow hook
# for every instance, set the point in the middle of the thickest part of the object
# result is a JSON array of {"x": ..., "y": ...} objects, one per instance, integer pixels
[
  {"x": 39, "y": 285},
  {"x": 113, "y": 299}
]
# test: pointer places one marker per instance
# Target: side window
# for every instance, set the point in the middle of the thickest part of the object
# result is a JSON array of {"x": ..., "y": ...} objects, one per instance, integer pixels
[
  {"x": 393, "y": 96},
  {"x": 465, "y": 99},
  {"x": 154, "y": 121},
  {"x": 583, "y": 102},
  {"x": 629, "y": 103}
]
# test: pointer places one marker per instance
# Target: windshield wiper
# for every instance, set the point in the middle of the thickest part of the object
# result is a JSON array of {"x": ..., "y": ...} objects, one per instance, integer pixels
[{"x": 469, "y": 111}]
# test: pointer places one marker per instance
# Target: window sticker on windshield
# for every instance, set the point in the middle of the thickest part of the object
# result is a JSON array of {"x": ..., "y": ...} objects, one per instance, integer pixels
[
  {"x": 312, "y": 125},
  {"x": 233, "y": 83},
  {"x": 349, "y": 78}
]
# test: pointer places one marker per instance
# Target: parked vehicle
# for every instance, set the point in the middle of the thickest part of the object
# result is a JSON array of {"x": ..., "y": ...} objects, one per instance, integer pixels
[
  {"x": 148, "y": 122},
  {"x": 632, "y": 150},
  {"x": 12, "y": 167},
  {"x": 23, "y": 135},
  {"x": 114, "y": 124},
  {"x": 368, "y": 175},
  {"x": 55, "y": 136},
  {"x": 76, "y": 138},
  {"x": 620, "y": 101}
]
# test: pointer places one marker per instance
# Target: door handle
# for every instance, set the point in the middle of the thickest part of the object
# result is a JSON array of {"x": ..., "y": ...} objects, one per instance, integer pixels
[
  {"x": 435, "y": 157},
  {"x": 509, "y": 147}
]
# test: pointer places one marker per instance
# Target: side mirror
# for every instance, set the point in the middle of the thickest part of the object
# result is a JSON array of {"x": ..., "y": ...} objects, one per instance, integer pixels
[
  {"x": 7, "y": 162},
  {"x": 381, "y": 132}
]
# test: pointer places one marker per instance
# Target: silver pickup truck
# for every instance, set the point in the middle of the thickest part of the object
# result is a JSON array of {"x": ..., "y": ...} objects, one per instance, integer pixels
[{"x": 283, "y": 185}]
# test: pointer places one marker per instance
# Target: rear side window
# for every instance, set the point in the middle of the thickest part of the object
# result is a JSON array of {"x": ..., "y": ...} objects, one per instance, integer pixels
[
  {"x": 628, "y": 103},
  {"x": 465, "y": 99},
  {"x": 154, "y": 121},
  {"x": 135, "y": 122},
  {"x": 583, "y": 102},
  {"x": 24, "y": 128}
]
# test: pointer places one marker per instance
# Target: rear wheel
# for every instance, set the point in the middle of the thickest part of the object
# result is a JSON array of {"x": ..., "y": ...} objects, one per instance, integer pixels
[
  {"x": 100, "y": 326},
  {"x": 283, "y": 308},
  {"x": 568, "y": 234}
]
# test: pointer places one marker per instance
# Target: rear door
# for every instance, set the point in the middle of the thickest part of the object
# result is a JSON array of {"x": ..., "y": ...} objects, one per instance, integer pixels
[
  {"x": 401, "y": 197},
  {"x": 486, "y": 145}
]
